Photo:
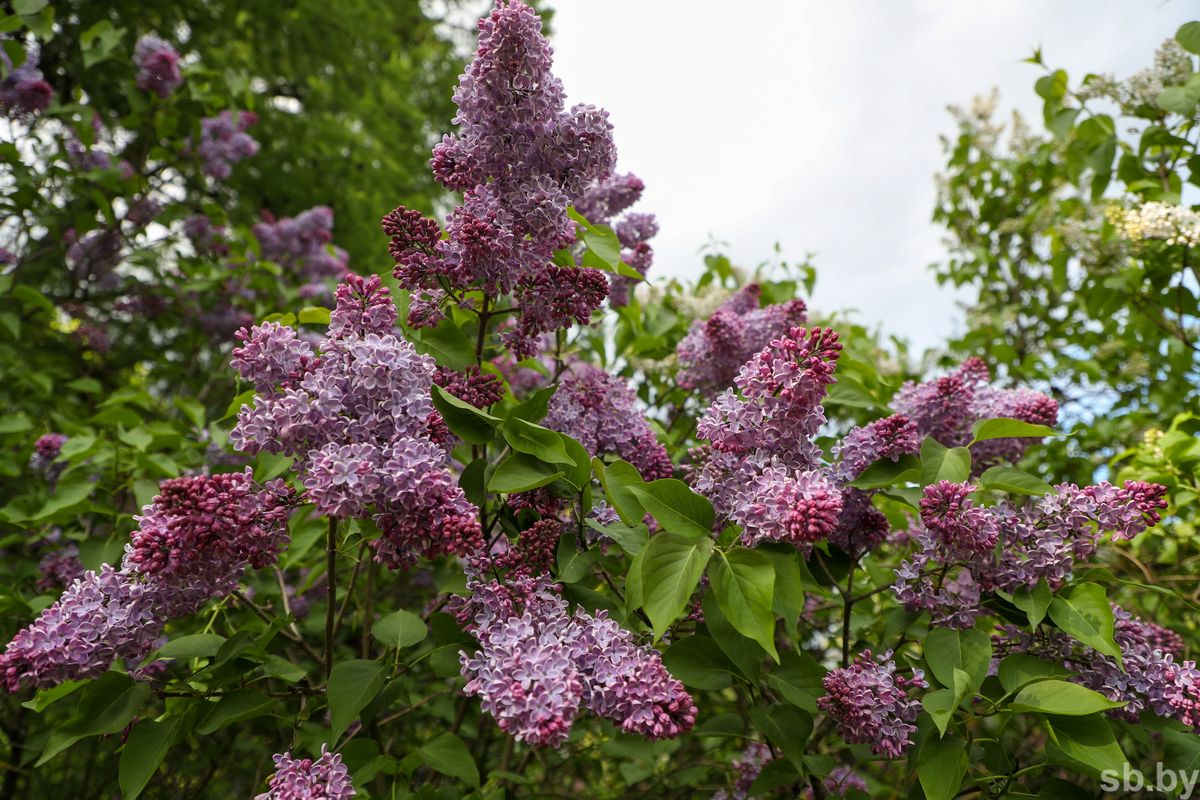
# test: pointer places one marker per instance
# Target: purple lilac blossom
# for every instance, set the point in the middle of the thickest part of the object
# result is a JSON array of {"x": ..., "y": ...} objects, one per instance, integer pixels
[
  {"x": 45, "y": 452},
  {"x": 60, "y": 568},
  {"x": 23, "y": 92},
  {"x": 746, "y": 768},
  {"x": 157, "y": 65},
  {"x": 325, "y": 778},
  {"x": 763, "y": 470},
  {"x": 869, "y": 704},
  {"x": 537, "y": 666},
  {"x": 947, "y": 407},
  {"x": 356, "y": 413},
  {"x": 301, "y": 243},
  {"x": 224, "y": 142},
  {"x": 963, "y": 550},
  {"x": 521, "y": 159},
  {"x": 206, "y": 238},
  {"x": 715, "y": 349},
  {"x": 480, "y": 389},
  {"x": 600, "y": 205},
  {"x": 601, "y": 412}
]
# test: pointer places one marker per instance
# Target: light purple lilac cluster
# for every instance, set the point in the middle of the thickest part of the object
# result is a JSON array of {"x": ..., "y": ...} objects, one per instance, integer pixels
[
  {"x": 521, "y": 159},
  {"x": 600, "y": 204},
  {"x": 45, "y": 453},
  {"x": 1152, "y": 675},
  {"x": 947, "y": 407},
  {"x": 302, "y": 244},
  {"x": 714, "y": 350},
  {"x": 601, "y": 412},
  {"x": 23, "y": 91},
  {"x": 157, "y": 65},
  {"x": 964, "y": 550},
  {"x": 60, "y": 568},
  {"x": 763, "y": 470},
  {"x": 325, "y": 778},
  {"x": 537, "y": 666},
  {"x": 869, "y": 704},
  {"x": 356, "y": 413},
  {"x": 746, "y": 768},
  {"x": 206, "y": 238},
  {"x": 480, "y": 389},
  {"x": 224, "y": 142},
  {"x": 171, "y": 568}
]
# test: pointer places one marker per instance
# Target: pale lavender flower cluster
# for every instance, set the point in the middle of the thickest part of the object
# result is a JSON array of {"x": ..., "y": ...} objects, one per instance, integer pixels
[
  {"x": 600, "y": 204},
  {"x": 964, "y": 550},
  {"x": 325, "y": 778},
  {"x": 947, "y": 407},
  {"x": 224, "y": 142},
  {"x": 521, "y": 159},
  {"x": 537, "y": 666},
  {"x": 60, "y": 568},
  {"x": 302, "y": 243},
  {"x": 1152, "y": 674},
  {"x": 601, "y": 412},
  {"x": 746, "y": 768},
  {"x": 206, "y": 238},
  {"x": 357, "y": 414},
  {"x": 45, "y": 453},
  {"x": 869, "y": 704},
  {"x": 157, "y": 65},
  {"x": 171, "y": 568},
  {"x": 764, "y": 471},
  {"x": 713, "y": 350},
  {"x": 23, "y": 91}
]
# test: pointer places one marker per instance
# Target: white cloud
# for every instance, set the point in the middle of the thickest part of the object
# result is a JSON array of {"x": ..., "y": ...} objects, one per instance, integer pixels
[{"x": 816, "y": 124}]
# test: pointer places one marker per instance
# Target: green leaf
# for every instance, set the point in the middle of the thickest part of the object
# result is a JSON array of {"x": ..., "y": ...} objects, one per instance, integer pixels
[
  {"x": 196, "y": 645},
  {"x": 743, "y": 653},
  {"x": 789, "y": 588},
  {"x": 619, "y": 479},
  {"x": 534, "y": 407},
  {"x": 400, "y": 629},
  {"x": 1083, "y": 611},
  {"x": 799, "y": 679},
  {"x": 671, "y": 569},
  {"x": 15, "y": 423},
  {"x": 1008, "y": 428},
  {"x": 68, "y": 494},
  {"x": 28, "y": 7},
  {"x": 235, "y": 707},
  {"x": 1084, "y": 742},
  {"x": 699, "y": 663},
  {"x": 940, "y": 705},
  {"x": 1188, "y": 37},
  {"x": 541, "y": 443},
  {"x": 887, "y": 472},
  {"x": 630, "y": 539},
  {"x": 352, "y": 684},
  {"x": 1061, "y": 697},
  {"x": 314, "y": 315},
  {"x": 1034, "y": 602},
  {"x": 106, "y": 706},
  {"x": 464, "y": 420},
  {"x": 676, "y": 507},
  {"x": 520, "y": 473},
  {"x": 788, "y": 728},
  {"x": 941, "y": 765},
  {"x": 1014, "y": 481},
  {"x": 573, "y": 564},
  {"x": 447, "y": 754},
  {"x": 969, "y": 650},
  {"x": 448, "y": 345},
  {"x": 941, "y": 463},
  {"x": 144, "y": 751},
  {"x": 743, "y": 582},
  {"x": 1020, "y": 669}
]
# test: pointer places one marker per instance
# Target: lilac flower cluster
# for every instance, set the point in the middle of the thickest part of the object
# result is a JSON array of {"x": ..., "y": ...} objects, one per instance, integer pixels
[
  {"x": 357, "y": 414},
  {"x": 95, "y": 255},
  {"x": 947, "y": 407},
  {"x": 713, "y": 350},
  {"x": 521, "y": 159},
  {"x": 964, "y": 550},
  {"x": 302, "y": 243},
  {"x": 869, "y": 704},
  {"x": 325, "y": 778},
  {"x": 600, "y": 204},
  {"x": 537, "y": 666},
  {"x": 23, "y": 92},
  {"x": 172, "y": 567},
  {"x": 480, "y": 389},
  {"x": 157, "y": 65},
  {"x": 746, "y": 767},
  {"x": 224, "y": 142},
  {"x": 1151, "y": 676},
  {"x": 206, "y": 238},
  {"x": 60, "y": 568},
  {"x": 763, "y": 470},
  {"x": 601, "y": 412},
  {"x": 45, "y": 453}
]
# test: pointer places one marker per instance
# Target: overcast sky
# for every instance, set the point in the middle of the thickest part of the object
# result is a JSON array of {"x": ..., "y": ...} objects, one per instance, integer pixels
[{"x": 816, "y": 124}]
